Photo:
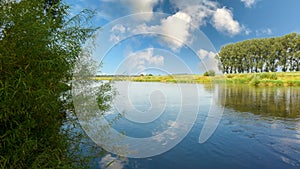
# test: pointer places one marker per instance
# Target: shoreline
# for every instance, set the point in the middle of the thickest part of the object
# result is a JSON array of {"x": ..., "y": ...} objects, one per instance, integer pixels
[{"x": 252, "y": 79}]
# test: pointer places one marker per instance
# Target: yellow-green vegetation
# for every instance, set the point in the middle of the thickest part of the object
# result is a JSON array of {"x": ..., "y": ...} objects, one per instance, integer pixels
[
  {"x": 164, "y": 79},
  {"x": 254, "y": 79},
  {"x": 266, "y": 79}
]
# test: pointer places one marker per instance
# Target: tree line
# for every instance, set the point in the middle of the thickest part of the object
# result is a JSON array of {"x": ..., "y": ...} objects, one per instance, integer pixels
[{"x": 262, "y": 55}]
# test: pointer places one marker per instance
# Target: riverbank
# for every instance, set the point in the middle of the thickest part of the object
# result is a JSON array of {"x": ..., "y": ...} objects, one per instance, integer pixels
[
  {"x": 253, "y": 79},
  {"x": 266, "y": 79}
]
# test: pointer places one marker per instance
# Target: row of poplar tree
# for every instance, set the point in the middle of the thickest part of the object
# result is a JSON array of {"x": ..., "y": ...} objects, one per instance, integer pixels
[{"x": 262, "y": 55}]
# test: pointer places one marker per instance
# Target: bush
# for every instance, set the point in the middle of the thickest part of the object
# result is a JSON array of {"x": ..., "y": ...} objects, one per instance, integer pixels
[
  {"x": 229, "y": 76},
  {"x": 209, "y": 73},
  {"x": 38, "y": 50}
]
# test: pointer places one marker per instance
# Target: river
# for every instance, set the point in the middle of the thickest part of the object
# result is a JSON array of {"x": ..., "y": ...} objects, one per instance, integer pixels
[{"x": 249, "y": 127}]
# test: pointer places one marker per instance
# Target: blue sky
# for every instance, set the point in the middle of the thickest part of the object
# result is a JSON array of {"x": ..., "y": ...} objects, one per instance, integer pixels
[{"x": 180, "y": 36}]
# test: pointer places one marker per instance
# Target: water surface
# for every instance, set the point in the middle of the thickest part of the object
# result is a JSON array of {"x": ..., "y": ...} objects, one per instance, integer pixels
[{"x": 260, "y": 127}]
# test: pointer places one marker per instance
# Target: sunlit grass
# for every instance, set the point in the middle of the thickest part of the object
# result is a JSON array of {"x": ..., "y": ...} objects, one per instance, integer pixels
[
  {"x": 266, "y": 79},
  {"x": 254, "y": 79}
]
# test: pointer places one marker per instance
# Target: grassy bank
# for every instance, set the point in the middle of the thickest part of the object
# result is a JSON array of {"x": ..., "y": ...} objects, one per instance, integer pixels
[
  {"x": 266, "y": 79},
  {"x": 253, "y": 79}
]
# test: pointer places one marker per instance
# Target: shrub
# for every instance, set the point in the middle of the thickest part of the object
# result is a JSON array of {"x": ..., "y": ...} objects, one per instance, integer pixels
[
  {"x": 209, "y": 73},
  {"x": 229, "y": 76},
  {"x": 38, "y": 50}
]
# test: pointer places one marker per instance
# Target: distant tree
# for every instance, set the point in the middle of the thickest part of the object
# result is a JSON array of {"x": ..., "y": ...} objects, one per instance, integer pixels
[
  {"x": 262, "y": 55},
  {"x": 209, "y": 73}
]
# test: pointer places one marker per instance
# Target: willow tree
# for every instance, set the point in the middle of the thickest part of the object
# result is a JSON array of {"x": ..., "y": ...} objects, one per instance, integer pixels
[{"x": 38, "y": 48}]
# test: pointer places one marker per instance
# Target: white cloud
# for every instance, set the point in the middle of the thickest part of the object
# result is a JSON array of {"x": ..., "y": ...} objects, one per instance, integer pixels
[
  {"x": 141, "y": 6},
  {"x": 203, "y": 11},
  {"x": 118, "y": 28},
  {"x": 266, "y": 31},
  {"x": 179, "y": 27},
  {"x": 247, "y": 30},
  {"x": 136, "y": 62},
  {"x": 117, "y": 33},
  {"x": 203, "y": 54},
  {"x": 208, "y": 58},
  {"x": 198, "y": 10},
  {"x": 175, "y": 28},
  {"x": 223, "y": 21},
  {"x": 249, "y": 3},
  {"x": 113, "y": 9},
  {"x": 146, "y": 57}
]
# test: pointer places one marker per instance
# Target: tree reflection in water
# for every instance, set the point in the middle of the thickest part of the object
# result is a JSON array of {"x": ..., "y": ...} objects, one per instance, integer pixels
[{"x": 266, "y": 101}]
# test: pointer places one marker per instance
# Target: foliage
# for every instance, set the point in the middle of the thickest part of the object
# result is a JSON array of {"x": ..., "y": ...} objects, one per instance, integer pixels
[
  {"x": 209, "y": 73},
  {"x": 272, "y": 76},
  {"x": 38, "y": 49},
  {"x": 265, "y": 79},
  {"x": 262, "y": 55}
]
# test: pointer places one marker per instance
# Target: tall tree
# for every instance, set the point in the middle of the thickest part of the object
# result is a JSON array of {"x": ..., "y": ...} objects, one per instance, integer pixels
[{"x": 262, "y": 55}]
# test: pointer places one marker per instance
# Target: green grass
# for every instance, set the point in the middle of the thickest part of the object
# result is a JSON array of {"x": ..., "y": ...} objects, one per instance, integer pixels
[
  {"x": 253, "y": 79},
  {"x": 265, "y": 79}
]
